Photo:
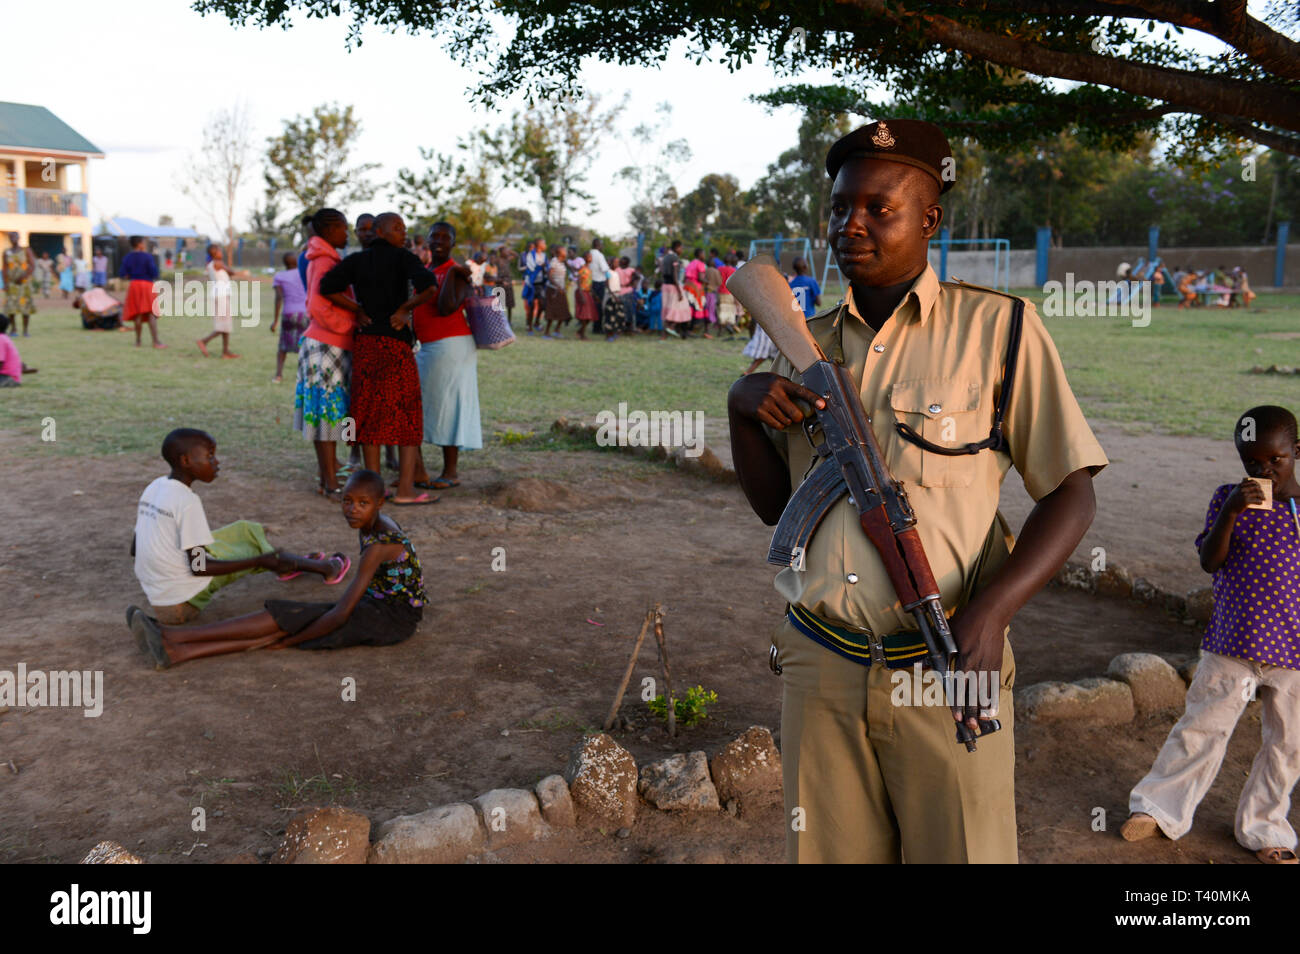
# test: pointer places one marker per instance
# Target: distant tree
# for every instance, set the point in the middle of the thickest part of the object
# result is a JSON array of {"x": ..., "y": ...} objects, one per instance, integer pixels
[
  {"x": 165, "y": 220},
  {"x": 213, "y": 177},
  {"x": 552, "y": 150},
  {"x": 461, "y": 190},
  {"x": 717, "y": 204},
  {"x": 308, "y": 161},
  {"x": 651, "y": 176},
  {"x": 794, "y": 196}
]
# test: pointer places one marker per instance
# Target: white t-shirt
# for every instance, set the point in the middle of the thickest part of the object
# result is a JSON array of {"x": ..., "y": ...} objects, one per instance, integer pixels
[
  {"x": 169, "y": 523},
  {"x": 599, "y": 267},
  {"x": 614, "y": 287}
]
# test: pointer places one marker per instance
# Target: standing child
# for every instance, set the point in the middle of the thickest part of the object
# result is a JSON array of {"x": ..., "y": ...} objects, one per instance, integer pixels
[
  {"x": 219, "y": 297},
  {"x": 557, "y": 297},
  {"x": 386, "y": 402},
  {"x": 322, "y": 392},
  {"x": 141, "y": 269},
  {"x": 1251, "y": 643},
  {"x": 805, "y": 287},
  {"x": 290, "y": 309},
  {"x": 67, "y": 276},
  {"x": 382, "y": 606},
  {"x": 584, "y": 299},
  {"x": 179, "y": 562},
  {"x": 99, "y": 269}
]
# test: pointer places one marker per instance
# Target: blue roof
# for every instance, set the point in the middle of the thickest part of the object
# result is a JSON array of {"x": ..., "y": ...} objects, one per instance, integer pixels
[
  {"x": 124, "y": 226},
  {"x": 34, "y": 127}
]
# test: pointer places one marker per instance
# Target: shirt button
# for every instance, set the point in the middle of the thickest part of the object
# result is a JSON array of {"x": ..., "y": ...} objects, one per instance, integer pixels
[
  {"x": 936, "y": 408},
  {"x": 878, "y": 348},
  {"x": 852, "y": 578}
]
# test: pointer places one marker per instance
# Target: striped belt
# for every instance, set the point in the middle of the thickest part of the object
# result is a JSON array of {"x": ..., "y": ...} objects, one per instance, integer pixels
[{"x": 894, "y": 651}]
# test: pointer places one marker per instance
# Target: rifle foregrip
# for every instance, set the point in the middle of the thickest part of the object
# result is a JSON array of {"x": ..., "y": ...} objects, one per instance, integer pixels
[
  {"x": 876, "y": 526},
  {"x": 909, "y": 541}
]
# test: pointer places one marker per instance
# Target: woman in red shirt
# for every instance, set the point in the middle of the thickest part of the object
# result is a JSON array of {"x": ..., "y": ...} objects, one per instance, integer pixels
[{"x": 448, "y": 365}]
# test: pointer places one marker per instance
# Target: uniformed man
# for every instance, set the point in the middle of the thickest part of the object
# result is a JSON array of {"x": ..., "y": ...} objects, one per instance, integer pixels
[{"x": 867, "y": 778}]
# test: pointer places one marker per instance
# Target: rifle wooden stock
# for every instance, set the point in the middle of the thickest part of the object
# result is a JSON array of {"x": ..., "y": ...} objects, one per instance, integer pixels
[{"x": 768, "y": 297}]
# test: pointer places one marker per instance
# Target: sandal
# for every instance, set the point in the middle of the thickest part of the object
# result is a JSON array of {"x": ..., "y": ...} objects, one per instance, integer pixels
[
  {"x": 419, "y": 501},
  {"x": 1138, "y": 827},
  {"x": 1277, "y": 856},
  {"x": 442, "y": 483},
  {"x": 329, "y": 494},
  {"x": 285, "y": 577},
  {"x": 338, "y": 577}
]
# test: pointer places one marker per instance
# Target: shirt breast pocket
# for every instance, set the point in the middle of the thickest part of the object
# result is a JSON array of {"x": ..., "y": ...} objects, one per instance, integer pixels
[{"x": 943, "y": 411}]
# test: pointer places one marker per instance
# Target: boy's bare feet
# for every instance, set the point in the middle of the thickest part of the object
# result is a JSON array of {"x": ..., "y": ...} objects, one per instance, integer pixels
[
  {"x": 149, "y": 634},
  {"x": 202, "y": 347},
  {"x": 1138, "y": 827},
  {"x": 229, "y": 354}
]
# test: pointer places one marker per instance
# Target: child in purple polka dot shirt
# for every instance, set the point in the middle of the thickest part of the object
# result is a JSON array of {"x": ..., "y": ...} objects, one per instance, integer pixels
[{"x": 1252, "y": 642}]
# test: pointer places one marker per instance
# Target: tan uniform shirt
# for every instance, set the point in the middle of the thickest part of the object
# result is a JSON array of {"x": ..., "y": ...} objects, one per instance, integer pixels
[{"x": 936, "y": 365}]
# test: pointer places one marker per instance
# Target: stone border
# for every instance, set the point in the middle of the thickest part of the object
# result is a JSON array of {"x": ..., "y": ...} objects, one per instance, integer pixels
[{"x": 602, "y": 786}]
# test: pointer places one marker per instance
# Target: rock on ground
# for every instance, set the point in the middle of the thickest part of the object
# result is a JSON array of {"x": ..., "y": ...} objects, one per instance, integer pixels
[
  {"x": 679, "y": 783},
  {"x": 444, "y": 835},
  {"x": 110, "y": 853},
  {"x": 1077, "y": 576},
  {"x": 748, "y": 769},
  {"x": 602, "y": 779},
  {"x": 1114, "y": 581},
  {"x": 510, "y": 817},
  {"x": 1098, "y": 701},
  {"x": 1156, "y": 685},
  {"x": 325, "y": 836},
  {"x": 1200, "y": 604},
  {"x": 555, "y": 801}
]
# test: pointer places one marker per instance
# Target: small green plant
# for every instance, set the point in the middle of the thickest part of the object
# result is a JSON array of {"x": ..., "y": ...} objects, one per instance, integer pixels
[
  {"x": 691, "y": 710},
  {"x": 509, "y": 436}
]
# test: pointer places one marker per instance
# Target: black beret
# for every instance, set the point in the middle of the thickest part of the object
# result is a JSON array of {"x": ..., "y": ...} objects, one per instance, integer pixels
[{"x": 911, "y": 141}]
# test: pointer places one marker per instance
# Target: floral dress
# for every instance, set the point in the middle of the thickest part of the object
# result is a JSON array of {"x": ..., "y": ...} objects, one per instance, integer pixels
[{"x": 18, "y": 286}]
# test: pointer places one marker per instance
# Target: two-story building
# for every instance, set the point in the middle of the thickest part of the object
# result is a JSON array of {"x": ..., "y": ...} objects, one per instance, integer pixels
[{"x": 44, "y": 181}]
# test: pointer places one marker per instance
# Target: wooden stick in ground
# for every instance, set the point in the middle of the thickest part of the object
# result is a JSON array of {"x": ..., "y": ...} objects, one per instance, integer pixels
[
  {"x": 627, "y": 676},
  {"x": 668, "y": 679}
]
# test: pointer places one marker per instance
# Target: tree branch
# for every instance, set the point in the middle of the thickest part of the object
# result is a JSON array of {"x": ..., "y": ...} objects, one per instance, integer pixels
[
  {"x": 1287, "y": 144},
  {"x": 1195, "y": 92}
]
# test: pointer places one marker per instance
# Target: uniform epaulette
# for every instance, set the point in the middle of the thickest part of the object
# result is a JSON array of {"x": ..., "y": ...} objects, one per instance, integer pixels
[
  {"x": 958, "y": 283},
  {"x": 828, "y": 313}
]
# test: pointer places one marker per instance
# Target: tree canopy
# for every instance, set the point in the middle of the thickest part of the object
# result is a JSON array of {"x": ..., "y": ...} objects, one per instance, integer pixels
[{"x": 983, "y": 68}]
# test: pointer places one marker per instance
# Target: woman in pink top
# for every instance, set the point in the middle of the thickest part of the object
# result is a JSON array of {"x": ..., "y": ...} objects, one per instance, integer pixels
[{"x": 320, "y": 401}]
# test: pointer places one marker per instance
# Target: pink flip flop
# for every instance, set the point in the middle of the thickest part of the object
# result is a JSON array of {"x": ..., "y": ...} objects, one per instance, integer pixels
[
  {"x": 338, "y": 577},
  {"x": 285, "y": 577},
  {"x": 419, "y": 501}
]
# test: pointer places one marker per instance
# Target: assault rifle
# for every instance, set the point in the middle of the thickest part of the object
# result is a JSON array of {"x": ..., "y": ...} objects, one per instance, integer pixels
[{"x": 858, "y": 470}]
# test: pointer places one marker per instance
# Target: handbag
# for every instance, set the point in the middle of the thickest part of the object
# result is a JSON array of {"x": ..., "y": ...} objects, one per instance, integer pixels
[{"x": 488, "y": 323}]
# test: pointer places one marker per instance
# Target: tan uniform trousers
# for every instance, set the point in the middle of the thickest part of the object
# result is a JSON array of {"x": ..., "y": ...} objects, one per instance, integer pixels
[{"x": 870, "y": 782}]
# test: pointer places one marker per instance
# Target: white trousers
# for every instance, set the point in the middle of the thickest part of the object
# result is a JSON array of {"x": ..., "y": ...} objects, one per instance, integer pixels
[{"x": 1191, "y": 756}]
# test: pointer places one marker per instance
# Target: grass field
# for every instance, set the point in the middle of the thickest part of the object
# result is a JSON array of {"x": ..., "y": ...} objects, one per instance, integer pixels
[{"x": 1185, "y": 373}]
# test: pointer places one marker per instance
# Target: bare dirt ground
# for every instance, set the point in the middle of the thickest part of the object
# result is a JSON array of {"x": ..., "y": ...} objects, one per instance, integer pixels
[{"x": 508, "y": 668}]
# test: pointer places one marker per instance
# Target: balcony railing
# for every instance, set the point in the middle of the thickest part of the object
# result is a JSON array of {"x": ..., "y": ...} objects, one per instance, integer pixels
[{"x": 42, "y": 202}]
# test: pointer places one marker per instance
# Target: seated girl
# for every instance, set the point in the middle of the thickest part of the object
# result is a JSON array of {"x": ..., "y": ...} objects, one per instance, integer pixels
[{"x": 381, "y": 606}]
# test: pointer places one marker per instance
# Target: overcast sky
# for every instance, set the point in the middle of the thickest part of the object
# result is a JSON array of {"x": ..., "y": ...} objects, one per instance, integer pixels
[
  {"x": 160, "y": 69},
  {"x": 153, "y": 72}
]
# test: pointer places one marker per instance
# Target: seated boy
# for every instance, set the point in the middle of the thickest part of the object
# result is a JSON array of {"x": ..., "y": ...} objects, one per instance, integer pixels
[
  {"x": 179, "y": 562},
  {"x": 12, "y": 368},
  {"x": 382, "y": 606}
]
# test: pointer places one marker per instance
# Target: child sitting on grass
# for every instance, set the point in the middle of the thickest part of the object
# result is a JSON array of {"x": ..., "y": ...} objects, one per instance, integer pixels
[
  {"x": 1252, "y": 642},
  {"x": 179, "y": 562},
  {"x": 12, "y": 368},
  {"x": 382, "y": 606}
]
